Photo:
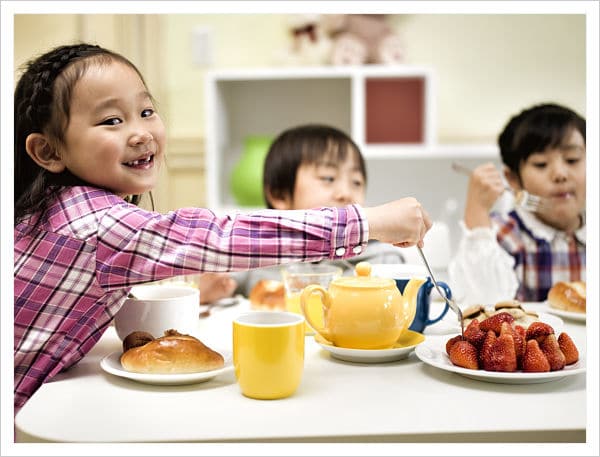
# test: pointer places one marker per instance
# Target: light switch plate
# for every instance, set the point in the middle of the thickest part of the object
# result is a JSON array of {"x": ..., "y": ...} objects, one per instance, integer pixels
[{"x": 202, "y": 46}]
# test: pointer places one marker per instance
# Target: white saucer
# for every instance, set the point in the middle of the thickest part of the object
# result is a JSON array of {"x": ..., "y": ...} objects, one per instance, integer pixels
[
  {"x": 112, "y": 364},
  {"x": 403, "y": 347}
]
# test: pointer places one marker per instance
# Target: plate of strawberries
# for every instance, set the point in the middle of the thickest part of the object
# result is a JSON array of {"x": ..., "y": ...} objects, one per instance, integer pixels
[{"x": 498, "y": 350}]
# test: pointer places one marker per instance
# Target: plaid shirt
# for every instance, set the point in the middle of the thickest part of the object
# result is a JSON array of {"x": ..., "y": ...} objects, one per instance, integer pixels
[
  {"x": 74, "y": 271},
  {"x": 542, "y": 254}
]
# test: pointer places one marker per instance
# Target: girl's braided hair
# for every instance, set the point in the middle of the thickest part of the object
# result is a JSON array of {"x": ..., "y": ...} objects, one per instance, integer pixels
[{"x": 42, "y": 105}]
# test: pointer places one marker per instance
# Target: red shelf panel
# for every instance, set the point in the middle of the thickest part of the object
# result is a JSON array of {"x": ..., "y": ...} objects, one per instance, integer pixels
[{"x": 395, "y": 110}]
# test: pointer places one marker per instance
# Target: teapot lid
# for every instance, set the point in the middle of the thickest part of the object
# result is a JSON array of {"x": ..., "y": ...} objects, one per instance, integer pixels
[{"x": 363, "y": 278}]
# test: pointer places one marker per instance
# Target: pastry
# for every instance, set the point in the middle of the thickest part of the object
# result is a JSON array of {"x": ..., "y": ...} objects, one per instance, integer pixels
[
  {"x": 135, "y": 339},
  {"x": 171, "y": 353},
  {"x": 568, "y": 296},
  {"x": 513, "y": 307},
  {"x": 267, "y": 294},
  {"x": 474, "y": 312}
]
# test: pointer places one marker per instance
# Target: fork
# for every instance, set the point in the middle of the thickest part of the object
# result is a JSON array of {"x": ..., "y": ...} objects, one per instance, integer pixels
[
  {"x": 523, "y": 199},
  {"x": 451, "y": 303}
]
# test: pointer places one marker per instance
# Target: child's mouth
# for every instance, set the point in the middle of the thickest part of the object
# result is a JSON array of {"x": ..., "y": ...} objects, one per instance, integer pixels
[
  {"x": 563, "y": 195},
  {"x": 143, "y": 163},
  {"x": 562, "y": 198}
]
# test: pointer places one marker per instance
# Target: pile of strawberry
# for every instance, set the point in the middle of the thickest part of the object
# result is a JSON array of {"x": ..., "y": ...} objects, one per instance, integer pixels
[{"x": 497, "y": 344}]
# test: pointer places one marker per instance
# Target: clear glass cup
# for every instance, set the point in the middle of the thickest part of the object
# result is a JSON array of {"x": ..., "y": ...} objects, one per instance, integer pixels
[{"x": 296, "y": 277}]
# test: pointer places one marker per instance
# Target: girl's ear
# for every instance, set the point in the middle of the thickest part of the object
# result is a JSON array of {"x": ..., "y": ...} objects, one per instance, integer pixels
[
  {"x": 512, "y": 179},
  {"x": 43, "y": 153},
  {"x": 279, "y": 202}
]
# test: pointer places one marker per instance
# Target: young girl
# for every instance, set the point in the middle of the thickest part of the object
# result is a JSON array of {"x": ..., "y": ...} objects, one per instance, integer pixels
[
  {"x": 88, "y": 143},
  {"x": 522, "y": 254}
]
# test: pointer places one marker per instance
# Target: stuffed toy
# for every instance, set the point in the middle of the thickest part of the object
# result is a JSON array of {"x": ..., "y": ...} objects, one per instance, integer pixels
[
  {"x": 361, "y": 38},
  {"x": 309, "y": 45}
]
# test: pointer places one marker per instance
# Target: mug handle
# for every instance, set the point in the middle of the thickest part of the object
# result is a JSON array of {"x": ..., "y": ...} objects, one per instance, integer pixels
[
  {"x": 448, "y": 293},
  {"x": 325, "y": 301}
]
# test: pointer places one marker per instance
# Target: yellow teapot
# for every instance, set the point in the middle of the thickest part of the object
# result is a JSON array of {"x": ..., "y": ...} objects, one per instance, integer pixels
[{"x": 363, "y": 312}]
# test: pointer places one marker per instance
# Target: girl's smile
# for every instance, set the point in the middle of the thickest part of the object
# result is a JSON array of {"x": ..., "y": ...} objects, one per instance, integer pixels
[{"x": 143, "y": 163}]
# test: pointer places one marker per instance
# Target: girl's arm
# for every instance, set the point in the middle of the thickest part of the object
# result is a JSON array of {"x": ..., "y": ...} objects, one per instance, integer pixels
[{"x": 136, "y": 246}]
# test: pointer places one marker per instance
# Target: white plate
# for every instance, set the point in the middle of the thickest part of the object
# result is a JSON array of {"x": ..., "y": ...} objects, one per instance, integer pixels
[
  {"x": 112, "y": 364},
  {"x": 433, "y": 353},
  {"x": 404, "y": 346},
  {"x": 571, "y": 315}
]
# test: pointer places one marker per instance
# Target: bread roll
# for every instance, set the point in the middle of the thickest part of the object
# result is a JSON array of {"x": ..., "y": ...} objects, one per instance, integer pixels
[
  {"x": 172, "y": 353},
  {"x": 267, "y": 294},
  {"x": 568, "y": 296}
]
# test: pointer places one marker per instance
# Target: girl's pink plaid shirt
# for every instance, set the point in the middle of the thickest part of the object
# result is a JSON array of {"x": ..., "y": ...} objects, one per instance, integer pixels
[{"x": 74, "y": 270}]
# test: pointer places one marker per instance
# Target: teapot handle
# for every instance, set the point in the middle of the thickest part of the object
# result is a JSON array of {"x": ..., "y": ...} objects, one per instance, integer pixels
[{"x": 325, "y": 301}]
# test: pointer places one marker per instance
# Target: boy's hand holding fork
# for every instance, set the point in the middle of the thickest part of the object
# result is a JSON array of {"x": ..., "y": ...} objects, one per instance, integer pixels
[{"x": 485, "y": 187}]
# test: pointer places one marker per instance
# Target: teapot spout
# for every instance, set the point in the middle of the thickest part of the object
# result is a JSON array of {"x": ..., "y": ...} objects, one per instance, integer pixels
[{"x": 409, "y": 298}]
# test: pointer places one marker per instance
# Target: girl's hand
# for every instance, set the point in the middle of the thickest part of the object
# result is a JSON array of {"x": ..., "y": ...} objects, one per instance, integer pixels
[
  {"x": 485, "y": 187},
  {"x": 402, "y": 222},
  {"x": 214, "y": 286}
]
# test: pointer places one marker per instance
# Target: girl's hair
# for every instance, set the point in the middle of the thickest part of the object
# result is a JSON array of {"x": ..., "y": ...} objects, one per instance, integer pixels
[
  {"x": 536, "y": 129},
  {"x": 305, "y": 144},
  {"x": 42, "y": 105}
]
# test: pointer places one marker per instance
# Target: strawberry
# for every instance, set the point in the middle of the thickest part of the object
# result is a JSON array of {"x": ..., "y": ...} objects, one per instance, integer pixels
[
  {"x": 464, "y": 354},
  {"x": 534, "y": 360},
  {"x": 551, "y": 350},
  {"x": 487, "y": 344},
  {"x": 568, "y": 348},
  {"x": 538, "y": 330},
  {"x": 518, "y": 338},
  {"x": 520, "y": 330},
  {"x": 494, "y": 322},
  {"x": 501, "y": 355},
  {"x": 474, "y": 335},
  {"x": 451, "y": 342}
]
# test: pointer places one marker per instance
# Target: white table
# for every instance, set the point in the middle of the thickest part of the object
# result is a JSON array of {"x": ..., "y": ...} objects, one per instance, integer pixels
[{"x": 402, "y": 401}]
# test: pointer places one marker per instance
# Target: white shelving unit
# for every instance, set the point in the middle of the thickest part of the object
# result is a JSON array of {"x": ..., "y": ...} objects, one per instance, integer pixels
[{"x": 389, "y": 111}]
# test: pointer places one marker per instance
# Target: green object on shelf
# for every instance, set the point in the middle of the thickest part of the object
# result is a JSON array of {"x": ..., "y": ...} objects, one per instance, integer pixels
[{"x": 247, "y": 176}]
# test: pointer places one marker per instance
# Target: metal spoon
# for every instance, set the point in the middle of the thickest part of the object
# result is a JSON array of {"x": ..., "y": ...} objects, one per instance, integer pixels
[
  {"x": 451, "y": 303},
  {"x": 224, "y": 302}
]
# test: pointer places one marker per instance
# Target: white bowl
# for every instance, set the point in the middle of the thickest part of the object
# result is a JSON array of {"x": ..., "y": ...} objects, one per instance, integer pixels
[{"x": 157, "y": 308}]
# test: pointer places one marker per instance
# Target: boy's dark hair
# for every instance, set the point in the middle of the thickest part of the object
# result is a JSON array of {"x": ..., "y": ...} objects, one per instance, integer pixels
[
  {"x": 42, "y": 105},
  {"x": 534, "y": 130},
  {"x": 305, "y": 144}
]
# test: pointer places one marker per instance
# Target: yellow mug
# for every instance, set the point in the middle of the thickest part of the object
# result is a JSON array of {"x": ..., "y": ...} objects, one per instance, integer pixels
[{"x": 268, "y": 353}]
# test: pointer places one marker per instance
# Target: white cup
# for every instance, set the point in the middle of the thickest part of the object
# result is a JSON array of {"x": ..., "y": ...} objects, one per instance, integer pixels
[{"x": 157, "y": 308}]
